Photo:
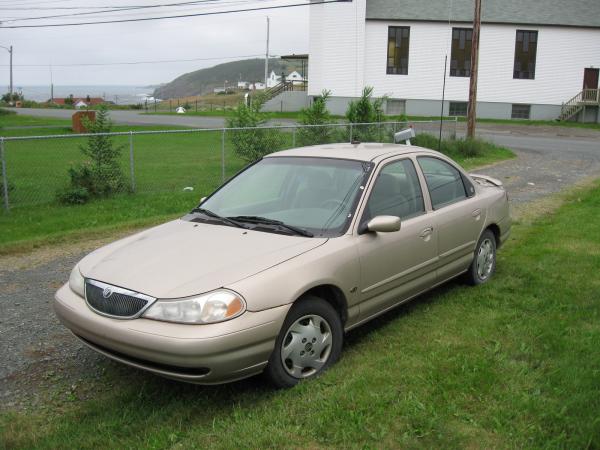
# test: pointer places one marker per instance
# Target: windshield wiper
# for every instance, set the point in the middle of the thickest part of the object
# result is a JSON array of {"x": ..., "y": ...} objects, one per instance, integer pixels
[
  {"x": 266, "y": 221},
  {"x": 209, "y": 213}
]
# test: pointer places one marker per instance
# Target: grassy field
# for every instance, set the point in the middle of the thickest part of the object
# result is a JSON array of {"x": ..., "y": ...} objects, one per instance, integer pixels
[
  {"x": 13, "y": 120},
  {"x": 511, "y": 364},
  {"x": 164, "y": 164}
]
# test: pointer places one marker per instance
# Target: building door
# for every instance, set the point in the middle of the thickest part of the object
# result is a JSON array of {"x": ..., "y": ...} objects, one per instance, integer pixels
[{"x": 590, "y": 78}]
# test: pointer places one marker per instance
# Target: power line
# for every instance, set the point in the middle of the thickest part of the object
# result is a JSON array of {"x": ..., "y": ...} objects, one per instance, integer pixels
[
  {"x": 144, "y": 19},
  {"x": 116, "y": 9},
  {"x": 139, "y": 62}
]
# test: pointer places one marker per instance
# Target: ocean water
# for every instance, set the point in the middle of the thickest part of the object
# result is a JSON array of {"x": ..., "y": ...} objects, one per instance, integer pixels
[{"x": 122, "y": 95}]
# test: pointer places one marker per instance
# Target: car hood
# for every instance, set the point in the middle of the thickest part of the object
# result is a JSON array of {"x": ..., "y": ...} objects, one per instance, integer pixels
[{"x": 181, "y": 258}]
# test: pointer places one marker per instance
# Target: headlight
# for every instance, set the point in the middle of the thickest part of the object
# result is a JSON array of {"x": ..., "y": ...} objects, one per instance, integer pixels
[
  {"x": 213, "y": 307},
  {"x": 77, "y": 282}
]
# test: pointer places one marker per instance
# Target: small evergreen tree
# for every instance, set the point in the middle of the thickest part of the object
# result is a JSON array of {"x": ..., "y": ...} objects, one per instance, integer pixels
[
  {"x": 255, "y": 142},
  {"x": 366, "y": 110},
  {"x": 316, "y": 114},
  {"x": 100, "y": 175}
]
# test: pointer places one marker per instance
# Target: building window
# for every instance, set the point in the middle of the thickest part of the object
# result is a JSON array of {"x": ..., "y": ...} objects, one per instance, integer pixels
[
  {"x": 397, "y": 54},
  {"x": 394, "y": 107},
  {"x": 521, "y": 111},
  {"x": 460, "y": 62},
  {"x": 458, "y": 108},
  {"x": 525, "y": 54}
]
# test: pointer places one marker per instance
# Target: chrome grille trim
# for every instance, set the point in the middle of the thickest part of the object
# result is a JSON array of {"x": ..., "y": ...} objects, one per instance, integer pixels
[{"x": 123, "y": 299}]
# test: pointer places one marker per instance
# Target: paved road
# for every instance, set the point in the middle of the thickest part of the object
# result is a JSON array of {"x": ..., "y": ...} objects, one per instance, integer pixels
[
  {"x": 138, "y": 118},
  {"x": 550, "y": 159}
]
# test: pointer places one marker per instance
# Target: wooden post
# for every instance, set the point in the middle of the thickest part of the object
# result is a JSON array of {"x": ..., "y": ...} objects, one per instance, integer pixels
[{"x": 472, "y": 111}]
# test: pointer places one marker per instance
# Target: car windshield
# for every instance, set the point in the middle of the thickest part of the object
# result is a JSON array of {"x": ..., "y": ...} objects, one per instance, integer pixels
[{"x": 316, "y": 195}]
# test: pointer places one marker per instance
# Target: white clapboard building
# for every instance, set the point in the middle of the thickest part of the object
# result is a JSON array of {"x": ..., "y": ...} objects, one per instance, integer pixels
[{"x": 539, "y": 59}]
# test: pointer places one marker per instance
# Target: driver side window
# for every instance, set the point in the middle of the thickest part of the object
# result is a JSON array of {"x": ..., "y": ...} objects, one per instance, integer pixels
[{"x": 397, "y": 192}]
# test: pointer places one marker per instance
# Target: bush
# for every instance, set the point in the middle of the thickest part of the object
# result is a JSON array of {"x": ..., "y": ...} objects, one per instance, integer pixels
[
  {"x": 7, "y": 112},
  {"x": 466, "y": 148},
  {"x": 11, "y": 98},
  {"x": 100, "y": 175},
  {"x": 366, "y": 110},
  {"x": 316, "y": 114},
  {"x": 253, "y": 143}
]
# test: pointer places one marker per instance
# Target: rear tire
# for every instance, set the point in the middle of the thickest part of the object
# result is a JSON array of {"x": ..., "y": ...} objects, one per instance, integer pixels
[
  {"x": 484, "y": 260},
  {"x": 309, "y": 342}
]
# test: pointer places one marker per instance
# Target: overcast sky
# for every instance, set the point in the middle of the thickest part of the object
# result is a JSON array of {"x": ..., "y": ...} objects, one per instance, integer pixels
[{"x": 219, "y": 36}]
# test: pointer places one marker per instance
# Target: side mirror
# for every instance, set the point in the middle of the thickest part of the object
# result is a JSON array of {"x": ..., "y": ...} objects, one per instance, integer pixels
[
  {"x": 383, "y": 224},
  {"x": 202, "y": 200}
]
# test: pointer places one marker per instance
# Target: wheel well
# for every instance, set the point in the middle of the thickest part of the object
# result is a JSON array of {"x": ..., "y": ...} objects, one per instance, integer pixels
[
  {"x": 332, "y": 295},
  {"x": 495, "y": 229}
]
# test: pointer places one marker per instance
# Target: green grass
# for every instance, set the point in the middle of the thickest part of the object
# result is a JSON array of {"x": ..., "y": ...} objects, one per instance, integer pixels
[
  {"x": 164, "y": 164},
  {"x": 513, "y": 364},
  {"x": 552, "y": 123},
  {"x": 14, "y": 120}
]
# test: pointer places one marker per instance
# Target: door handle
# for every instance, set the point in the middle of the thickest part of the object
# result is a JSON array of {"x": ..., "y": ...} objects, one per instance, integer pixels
[
  {"x": 476, "y": 213},
  {"x": 426, "y": 232}
]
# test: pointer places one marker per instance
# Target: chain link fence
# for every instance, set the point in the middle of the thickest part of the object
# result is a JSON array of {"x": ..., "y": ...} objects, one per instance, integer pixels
[{"x": 35, "y": 168}]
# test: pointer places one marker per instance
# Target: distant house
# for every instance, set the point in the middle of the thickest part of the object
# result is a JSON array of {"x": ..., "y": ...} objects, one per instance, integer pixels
[
  {"x": 257, "y": 86},
  {"x": 243, "y": 85},
  {"x": 78, "y": 102},
  {"x": 295, "y": 78},
  {"x": 273, "y": 79}
]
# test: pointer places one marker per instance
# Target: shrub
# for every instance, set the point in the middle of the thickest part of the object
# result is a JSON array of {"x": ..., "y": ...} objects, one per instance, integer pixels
[
  {"x": 100, "y": 175},
  {"x": 255, "y": 142},
  {"x": 466, "y": 148},
  {"x": 316, "y": 114},
  {"x": 366, "y": 110},
  {"x": 7, "y": 112},
  {"x": 10, "y": 98}
]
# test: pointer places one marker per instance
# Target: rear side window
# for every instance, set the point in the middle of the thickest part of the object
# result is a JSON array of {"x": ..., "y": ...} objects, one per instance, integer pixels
[
  {"x": 397, "y": 192},
  {"x": 444, "y": 182}
]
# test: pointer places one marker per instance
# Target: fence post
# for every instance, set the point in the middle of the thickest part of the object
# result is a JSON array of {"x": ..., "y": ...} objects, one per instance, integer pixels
[
  {"x": 351, "y": 136},
  {"x": 131, "y": 161},
  {"x": 223, "y": 156},
  {"x": 293, "y": 137},
  {"x": 4, "y": 179}
]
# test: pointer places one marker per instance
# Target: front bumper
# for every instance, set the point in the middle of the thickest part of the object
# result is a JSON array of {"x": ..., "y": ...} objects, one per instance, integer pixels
[{"x": 205, "y": 354}]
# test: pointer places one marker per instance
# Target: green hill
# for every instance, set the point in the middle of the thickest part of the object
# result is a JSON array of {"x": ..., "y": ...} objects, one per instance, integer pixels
[{"x": 203, "y": 81}]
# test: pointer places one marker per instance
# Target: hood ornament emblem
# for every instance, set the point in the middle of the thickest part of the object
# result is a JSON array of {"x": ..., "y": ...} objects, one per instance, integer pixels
[{"x": 107, "y": 292}]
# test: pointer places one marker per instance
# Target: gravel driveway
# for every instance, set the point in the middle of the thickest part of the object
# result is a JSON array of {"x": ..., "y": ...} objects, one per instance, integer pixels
[{"x": 38, "y": 352}]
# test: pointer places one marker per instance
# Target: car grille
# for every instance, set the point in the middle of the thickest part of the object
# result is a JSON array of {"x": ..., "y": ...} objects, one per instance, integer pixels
[{"x": 115, "y": 301}]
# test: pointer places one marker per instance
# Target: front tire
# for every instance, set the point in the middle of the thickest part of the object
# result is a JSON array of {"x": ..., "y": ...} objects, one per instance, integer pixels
[
  {"x": 309, "y": 342},
  {"x": 484, "y": 262}
]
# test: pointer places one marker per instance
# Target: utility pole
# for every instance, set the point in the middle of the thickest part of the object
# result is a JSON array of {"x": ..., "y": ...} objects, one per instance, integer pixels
[
  {"x": 11, "y": 71},
  {"x": 267, "y": 55},
  {"x": 472, "y": 111},
  {"x": 51, "y": 86},
  {"x": 10, "y": 52}
]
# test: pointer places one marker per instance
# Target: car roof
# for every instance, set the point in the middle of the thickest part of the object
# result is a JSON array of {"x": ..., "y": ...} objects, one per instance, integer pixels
[{"x": 359, "y": 152}]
